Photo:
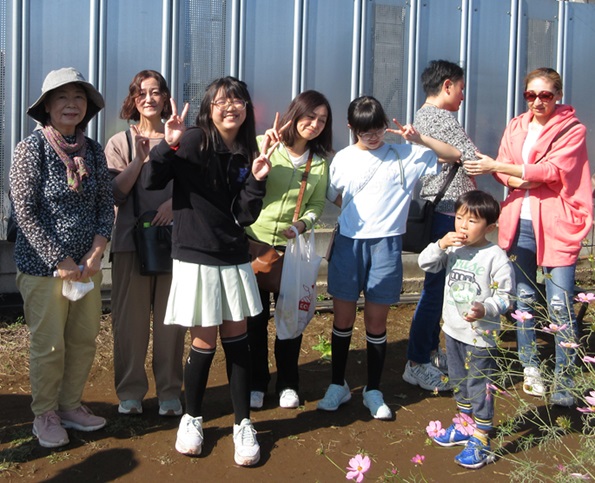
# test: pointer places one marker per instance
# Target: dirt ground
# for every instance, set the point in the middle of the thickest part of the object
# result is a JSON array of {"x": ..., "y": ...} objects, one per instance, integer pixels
[{"x": 303, "y": 445}]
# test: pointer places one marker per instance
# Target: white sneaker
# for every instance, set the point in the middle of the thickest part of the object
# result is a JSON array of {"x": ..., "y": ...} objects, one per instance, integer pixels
[
  {"x": 374, "y": 401},
  {"x": 247, "y": 449},
  {"x": 190, "y": 437},
  {"x": 426, "y": 376},
  {"x": 335, "y": 396},
  {"x": 256, "y": 399},
  {"x": 289, "y": 399},
  {"x": 532, "y": 382}
]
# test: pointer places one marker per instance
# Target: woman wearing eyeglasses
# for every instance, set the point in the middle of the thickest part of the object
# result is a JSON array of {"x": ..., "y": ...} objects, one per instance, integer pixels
[
  {"x": 138, "y": 299},
  {"x": 219, "y": 181},
  {"x": 543, "y": 161}
]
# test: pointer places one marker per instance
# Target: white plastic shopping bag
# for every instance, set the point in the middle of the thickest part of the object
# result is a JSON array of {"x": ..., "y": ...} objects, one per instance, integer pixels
[{"x": 297, "y": 296}]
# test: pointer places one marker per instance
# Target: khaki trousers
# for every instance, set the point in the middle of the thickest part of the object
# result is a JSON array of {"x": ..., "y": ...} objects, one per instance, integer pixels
[
  {"x": 134, "y": 296},
  {"x": 62, "y": 341}
]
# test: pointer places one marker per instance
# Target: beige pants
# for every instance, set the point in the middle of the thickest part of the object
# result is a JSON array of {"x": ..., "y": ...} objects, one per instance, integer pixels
[
  {"x": 62, "y": 339},
  {"x": 133, "y": 297}
]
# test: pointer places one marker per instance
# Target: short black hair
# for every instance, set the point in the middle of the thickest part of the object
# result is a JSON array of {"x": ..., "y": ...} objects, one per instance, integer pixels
[
  {"x": 365, "y": 114},
  {"x": 437, "y": 72},
  {"x": 481, "y": 204}
]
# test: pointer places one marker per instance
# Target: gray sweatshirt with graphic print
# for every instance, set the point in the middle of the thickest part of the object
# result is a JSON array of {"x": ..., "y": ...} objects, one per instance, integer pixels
[{"x": 488, "y": 273}]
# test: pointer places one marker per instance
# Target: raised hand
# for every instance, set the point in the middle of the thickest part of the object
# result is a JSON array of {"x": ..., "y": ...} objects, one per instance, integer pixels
[
  {"x": 407, "y": 132},
  {"x": 275, "y": 134},
  {"x": 174, "y": 126},
  {"x": 141, "y": 144},
  {"x": 261, "y": 165}
]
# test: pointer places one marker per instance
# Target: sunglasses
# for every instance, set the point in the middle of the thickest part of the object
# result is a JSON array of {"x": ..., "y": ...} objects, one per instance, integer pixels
[{"x": 544, "y": 96}]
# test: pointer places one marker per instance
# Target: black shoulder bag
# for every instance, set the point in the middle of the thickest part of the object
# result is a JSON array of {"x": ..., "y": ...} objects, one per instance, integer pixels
[
  {"x": 153, "y": 243},
  {"x": 421, "y": 216}
]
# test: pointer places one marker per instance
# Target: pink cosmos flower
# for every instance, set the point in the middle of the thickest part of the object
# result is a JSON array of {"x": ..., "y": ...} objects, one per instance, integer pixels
[
  {"x": 585, "y": 297},
  {"x": 418, "y": 459},
  {"x": 464, "y": 424},
  {"x": 553, "y": 328},
  {"x": 491, "y": 388},
  {"x": 589, "y": 359},
  {"x": 358, "y": 465},
  {"x": 521, "y": 316},
  {"x": 568, "y": 345},
  {"x": 435, "y": 429},
  {"x": 591, "y": 403}
]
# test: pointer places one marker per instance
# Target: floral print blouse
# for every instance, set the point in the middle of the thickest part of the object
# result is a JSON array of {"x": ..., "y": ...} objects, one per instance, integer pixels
[{"x": 55, "y": 222}]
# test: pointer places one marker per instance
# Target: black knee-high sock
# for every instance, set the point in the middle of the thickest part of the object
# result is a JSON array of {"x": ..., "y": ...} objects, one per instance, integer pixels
[
  {"x": 237, "y": 361},
  {"x": 376, "y": 351},
  {"x": 340, "y": 341},
  {"x": 196, "y": 375}
]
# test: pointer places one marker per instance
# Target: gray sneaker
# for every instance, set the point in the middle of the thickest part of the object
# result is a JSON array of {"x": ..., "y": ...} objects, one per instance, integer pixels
[
  {"x": 335, "y": 396},
  {"x": 438, "y": 360},
  {"x": 427, "y": 377},
  {"x": 49, "y": 431}
]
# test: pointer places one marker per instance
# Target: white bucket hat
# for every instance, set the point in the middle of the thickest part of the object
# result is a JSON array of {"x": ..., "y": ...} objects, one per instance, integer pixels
[{"x": 58, "y": 78}]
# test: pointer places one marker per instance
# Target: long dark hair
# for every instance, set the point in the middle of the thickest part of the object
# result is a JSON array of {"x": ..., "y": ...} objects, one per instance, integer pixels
[
  {"x": 233, "y": 89},
  {"x": 129, "y": 110},
  {"x": 302, "y": 105}
]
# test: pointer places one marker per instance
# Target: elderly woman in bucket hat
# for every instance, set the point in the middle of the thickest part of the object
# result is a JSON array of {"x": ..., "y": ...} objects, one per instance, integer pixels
[{"x": 63, "y": 205}]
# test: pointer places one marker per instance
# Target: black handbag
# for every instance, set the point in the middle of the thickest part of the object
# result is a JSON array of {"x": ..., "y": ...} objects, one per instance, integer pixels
[
  {"x": 420, "y": 218},
  {"x": 153, "y": 245}
]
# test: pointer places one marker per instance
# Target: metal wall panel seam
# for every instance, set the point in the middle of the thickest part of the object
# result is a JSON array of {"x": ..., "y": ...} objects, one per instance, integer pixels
[
  {"x": 562, "y": 39},
  {"x": 513, "y": 59},
  {"x": 237, "y": 38},
  {"x": 93, "y": 76},
  {"x": 356, "y": 46},
  {"x": 299, "y": 47},
  {"x": 101, "y": 65},
  {"x": 167, "y": 43},
  {"x": 413, "y": 72},
  {"x": 18, "y": 75},
  {"x": 463, "y": 54}
]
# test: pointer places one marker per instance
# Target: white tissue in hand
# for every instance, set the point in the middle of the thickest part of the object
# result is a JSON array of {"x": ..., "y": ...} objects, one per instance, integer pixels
[{"x": 76, "y": 290}]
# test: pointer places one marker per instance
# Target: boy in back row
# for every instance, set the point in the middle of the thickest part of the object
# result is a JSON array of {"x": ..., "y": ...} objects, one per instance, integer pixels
[{"x": 478, "y": 289}]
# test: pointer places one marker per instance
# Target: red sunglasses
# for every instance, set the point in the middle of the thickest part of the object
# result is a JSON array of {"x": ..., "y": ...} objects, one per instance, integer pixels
[{"x": 544, "y": 96}]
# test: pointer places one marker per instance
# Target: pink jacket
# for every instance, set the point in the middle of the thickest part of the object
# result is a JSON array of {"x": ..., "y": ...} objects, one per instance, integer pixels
[{"x": 562, "y": 206}]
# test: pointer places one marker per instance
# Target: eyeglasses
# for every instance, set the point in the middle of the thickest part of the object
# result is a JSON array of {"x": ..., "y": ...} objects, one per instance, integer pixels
[
  {"x": 367, "y": 136},
  {"x": 544, "y": 96},
  {"x": 238, "y": 104}
]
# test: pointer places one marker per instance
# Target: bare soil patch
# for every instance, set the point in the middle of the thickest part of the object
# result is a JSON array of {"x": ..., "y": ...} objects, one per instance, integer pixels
[{"x": 296, "y": 445}]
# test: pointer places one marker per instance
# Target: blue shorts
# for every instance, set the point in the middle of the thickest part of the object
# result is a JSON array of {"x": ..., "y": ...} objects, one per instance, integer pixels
[{"x": 373, "y": 265}]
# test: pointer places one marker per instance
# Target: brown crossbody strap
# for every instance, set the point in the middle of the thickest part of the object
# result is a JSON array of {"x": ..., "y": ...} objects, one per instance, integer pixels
[{"x": 296, "y": 213}]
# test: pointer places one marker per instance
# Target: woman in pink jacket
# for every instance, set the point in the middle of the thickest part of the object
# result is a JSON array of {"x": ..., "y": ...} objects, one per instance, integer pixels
[{"x": 549, "y": 211}]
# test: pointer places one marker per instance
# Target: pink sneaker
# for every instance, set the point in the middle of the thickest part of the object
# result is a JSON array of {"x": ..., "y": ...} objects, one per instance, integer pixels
[
  {"x": 82, "y": 419},
  {"x": 49, "y": 431}
]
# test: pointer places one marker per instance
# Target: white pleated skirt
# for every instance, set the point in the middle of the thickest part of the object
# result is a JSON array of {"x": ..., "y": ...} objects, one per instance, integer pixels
[{"x": 206, "y": 295}]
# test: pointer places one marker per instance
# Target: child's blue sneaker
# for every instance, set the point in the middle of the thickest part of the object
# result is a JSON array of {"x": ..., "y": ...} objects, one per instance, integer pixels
[
  {"x": 451, "y": 437},
  {"x": 475, "y": 455}
]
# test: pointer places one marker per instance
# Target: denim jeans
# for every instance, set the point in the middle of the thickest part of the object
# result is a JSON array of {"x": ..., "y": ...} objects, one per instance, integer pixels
[
  {"x": 470, "y": 369},
  {"x": 424, "y": 334},
  {"x": 559, "y": 294}
]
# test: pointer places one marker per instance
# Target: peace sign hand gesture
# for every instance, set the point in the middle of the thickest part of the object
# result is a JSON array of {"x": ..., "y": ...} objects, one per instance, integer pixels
[
  {"x": 174, "y": 126},
  {"x": 407, "y": 132},
  {"x": 275, "y": 134},
  {"x": 261, "y": 165}
]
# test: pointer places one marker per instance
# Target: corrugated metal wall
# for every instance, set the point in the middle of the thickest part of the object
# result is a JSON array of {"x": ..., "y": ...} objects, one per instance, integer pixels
[{"x": 280, "y": 47}]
